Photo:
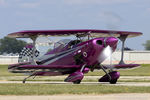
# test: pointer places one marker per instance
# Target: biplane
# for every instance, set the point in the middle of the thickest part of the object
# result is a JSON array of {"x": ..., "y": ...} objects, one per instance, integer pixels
[{"x": 75, "y": 57}]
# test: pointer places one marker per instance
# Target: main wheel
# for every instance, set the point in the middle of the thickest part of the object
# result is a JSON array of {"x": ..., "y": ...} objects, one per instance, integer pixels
[
  {"x": 77, "y": 82},
  {"x": 113, "y": 81}
]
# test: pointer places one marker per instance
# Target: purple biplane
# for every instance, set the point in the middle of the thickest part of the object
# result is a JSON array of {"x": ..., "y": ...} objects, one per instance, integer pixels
[{"x": 74, "y": 57}]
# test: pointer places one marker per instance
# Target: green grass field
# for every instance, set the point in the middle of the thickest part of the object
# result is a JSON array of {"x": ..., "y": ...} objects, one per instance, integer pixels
[
  {"x": 144, "y": 70},
  {"x": 61, "y": 79},
  {"x": 4, "y": 71},
  {"x": 52, "y": 89}
]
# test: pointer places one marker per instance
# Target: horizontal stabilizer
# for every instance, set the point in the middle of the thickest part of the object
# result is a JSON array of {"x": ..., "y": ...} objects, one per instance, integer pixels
[{"x": 18, "y": 64}]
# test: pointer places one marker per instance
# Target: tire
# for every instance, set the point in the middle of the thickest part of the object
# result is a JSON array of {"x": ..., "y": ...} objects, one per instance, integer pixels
[
  {"x": 77, "y": 82},
  {"x": 113, "y": 81}
]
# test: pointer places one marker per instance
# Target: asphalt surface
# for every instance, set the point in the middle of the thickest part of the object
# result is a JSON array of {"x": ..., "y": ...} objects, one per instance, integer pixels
[{"x": 128, "y": 96}]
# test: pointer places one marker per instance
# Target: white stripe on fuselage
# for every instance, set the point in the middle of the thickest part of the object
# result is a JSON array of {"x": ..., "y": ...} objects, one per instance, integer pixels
[
  {"x": 61, "y": 56},
  {"x": 44, "y": 57}
]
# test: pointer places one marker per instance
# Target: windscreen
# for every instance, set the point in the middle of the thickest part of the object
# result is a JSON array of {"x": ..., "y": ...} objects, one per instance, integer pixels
[{"x": 62, "y": 43}]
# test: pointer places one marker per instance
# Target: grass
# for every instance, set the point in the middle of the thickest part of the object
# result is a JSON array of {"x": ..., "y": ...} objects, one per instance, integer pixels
[
  {"x": 134, "y": 81},
  {"x": 84, "y": 80},
  {"x": 4, "y": 71},
  {"x": 62, "y": 80},
  {"x": 144, "y": 70},
  {"x": 52, "y": 89}
]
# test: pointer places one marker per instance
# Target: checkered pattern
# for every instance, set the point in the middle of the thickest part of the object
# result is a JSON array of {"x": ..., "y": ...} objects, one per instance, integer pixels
[{"x": 27, "y": 53}]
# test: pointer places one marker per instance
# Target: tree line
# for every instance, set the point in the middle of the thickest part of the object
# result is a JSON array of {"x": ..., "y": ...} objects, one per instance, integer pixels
[
  {"x": 11, "y": 45},
  {"x": 147, "y": 45}
]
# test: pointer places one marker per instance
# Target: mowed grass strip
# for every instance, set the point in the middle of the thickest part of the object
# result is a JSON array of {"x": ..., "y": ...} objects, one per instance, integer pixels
[
  {"x": 84, "y": 80},
  {"x": 144, "y": 70},
  {"x": 4, "y": 71},
  {"x": 53, "y": 89}
]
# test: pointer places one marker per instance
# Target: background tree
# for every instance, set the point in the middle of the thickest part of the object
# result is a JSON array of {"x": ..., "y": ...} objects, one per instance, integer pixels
[
  {"x": 147, "y": 45},
  {"x": 11, "y": 45},
  {"x": 128, "y": 49}
]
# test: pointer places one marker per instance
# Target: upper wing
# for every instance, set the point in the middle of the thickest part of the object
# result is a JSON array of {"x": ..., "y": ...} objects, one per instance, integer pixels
[{"x": 94, "y": 33}]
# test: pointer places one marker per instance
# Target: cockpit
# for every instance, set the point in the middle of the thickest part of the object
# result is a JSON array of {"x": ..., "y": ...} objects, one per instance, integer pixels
[
  {"x": 61, "y": 43},
  {"x": 48, "y": 45},
  {"x": 66, "y": 43}
]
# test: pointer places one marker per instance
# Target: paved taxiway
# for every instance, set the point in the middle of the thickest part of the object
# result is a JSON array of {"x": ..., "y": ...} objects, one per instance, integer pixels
[{"x": 126, "y": 96}]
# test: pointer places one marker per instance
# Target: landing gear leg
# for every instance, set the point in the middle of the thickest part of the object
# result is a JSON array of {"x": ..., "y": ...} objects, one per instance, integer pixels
[{"x": 106, "y": 72}]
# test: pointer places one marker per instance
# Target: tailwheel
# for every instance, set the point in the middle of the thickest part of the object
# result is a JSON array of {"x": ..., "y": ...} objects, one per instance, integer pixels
[
  {"x": 77, "y": 82},
  {"x": 24, "y": 81},
  {"x": 27, "y": 78}
]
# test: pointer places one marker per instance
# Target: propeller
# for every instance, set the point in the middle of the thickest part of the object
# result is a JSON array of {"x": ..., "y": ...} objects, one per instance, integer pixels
[{"x": 107, "y": 53}]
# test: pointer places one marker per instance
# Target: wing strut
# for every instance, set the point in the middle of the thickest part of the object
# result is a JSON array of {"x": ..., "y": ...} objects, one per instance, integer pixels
[
  {"x": 123, "y": 39},
  {"x": 34, "y": 49}
]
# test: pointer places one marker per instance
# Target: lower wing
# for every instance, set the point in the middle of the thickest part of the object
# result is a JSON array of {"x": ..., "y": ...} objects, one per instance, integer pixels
[
  {"x": 121, "y": 66},
  {"x": 49, "y": 66}
]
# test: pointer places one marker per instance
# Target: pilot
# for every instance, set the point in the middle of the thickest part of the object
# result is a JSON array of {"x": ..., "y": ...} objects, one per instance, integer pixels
[{"x": 73, "y": 43}]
